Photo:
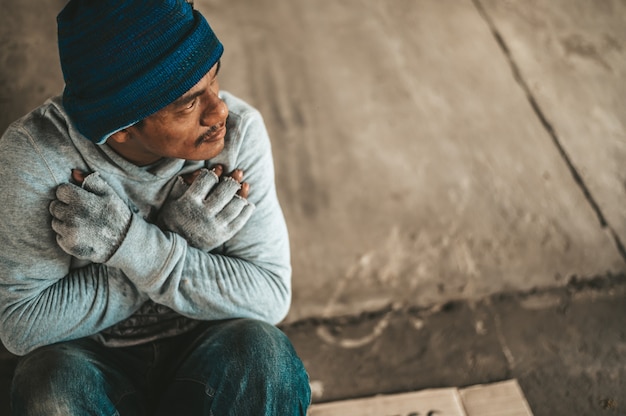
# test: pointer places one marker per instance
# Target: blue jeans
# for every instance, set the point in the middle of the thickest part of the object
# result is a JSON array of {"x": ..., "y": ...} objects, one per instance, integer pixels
[{"x": 235, "y": 367}]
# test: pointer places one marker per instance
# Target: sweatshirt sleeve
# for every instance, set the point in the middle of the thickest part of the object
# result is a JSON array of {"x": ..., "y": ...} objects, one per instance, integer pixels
[
  {"x": 43, "y": 299},
  {"x": 250, "y": 276}
]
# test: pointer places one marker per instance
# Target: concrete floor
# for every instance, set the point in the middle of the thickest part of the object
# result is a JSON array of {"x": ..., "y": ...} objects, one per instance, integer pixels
[
  {"x": 452, "y": 176},
  {"x": 565, "y": 346}
]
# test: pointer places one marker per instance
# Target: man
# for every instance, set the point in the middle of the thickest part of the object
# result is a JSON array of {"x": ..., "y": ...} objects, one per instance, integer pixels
[{"x": 139, "y": 273}]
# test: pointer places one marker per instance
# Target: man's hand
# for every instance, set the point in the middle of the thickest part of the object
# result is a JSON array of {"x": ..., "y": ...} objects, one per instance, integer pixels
[
  {"x": 91, "y": 221},
  {"x": 206, "y": 208}
]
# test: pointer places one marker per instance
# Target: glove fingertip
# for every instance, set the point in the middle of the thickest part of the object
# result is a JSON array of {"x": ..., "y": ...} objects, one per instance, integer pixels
[
  {"x": 210, "y": 172},
  {"x": 57, "y": 227},
  {"x": 95, "y": 184},
  {"x": 249, "y": 208},
  {"x": 179, "y": 188},
  {"x": 243, "y": 217},
  {"x": 247, "y": 201},
  {"x": 246, "y": 211},
  {"x": 52, "y": 207},
  {"x": 227, "y": 189},
  {"x": 65, "y": 192},
  {"x": 204, "y": 183},
  {"x": 91, "y": 177}
]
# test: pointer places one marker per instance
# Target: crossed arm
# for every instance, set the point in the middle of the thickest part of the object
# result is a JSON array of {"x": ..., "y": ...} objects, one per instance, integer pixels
[{"x": 92, "y": 221}]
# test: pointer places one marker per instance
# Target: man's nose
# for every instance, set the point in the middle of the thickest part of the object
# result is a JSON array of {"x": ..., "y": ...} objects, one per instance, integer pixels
[{"x": 216, "y": 110}]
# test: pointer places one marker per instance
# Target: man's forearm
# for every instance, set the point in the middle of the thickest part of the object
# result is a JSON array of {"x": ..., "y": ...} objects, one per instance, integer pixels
[
  {"x": 80, "y": 304},
  {"x": 203, "y": 285}
]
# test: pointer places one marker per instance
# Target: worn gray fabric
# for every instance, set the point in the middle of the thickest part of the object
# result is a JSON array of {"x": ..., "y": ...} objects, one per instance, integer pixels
[
  {"x": 90, "y": 222},
  {"x": 47, "y": 295},
  {"x": 208, "y": 212}
]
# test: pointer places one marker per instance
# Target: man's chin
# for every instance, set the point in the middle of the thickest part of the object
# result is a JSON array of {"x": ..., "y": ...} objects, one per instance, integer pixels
[{"x": 207, "y": 150}]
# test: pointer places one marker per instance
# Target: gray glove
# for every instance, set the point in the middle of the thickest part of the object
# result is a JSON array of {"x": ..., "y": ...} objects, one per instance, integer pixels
[
  {"x": 91, "y": 222},
  {"x": 206, "y": 213}
]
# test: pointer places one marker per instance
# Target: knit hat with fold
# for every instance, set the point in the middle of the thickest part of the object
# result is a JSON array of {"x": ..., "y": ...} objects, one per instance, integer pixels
[{"x": 124, "y": 60}]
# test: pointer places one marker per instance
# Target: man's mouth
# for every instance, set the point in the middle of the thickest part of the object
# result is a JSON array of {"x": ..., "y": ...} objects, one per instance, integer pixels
[{"x": 215, "y": 133}]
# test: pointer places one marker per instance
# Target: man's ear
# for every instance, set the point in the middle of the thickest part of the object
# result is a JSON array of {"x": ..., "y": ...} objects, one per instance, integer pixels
[{"x": 121, "y": 136}]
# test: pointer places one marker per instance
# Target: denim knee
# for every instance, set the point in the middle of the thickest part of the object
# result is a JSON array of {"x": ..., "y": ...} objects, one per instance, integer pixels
[
  {"x": 263, "y": 352},
  {"x": 59, "y": 380},
  {"x": 245, "y": 367}
]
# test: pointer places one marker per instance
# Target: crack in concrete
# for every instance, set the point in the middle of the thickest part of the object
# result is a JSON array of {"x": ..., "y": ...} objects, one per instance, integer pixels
[{"x": 549, "y": 128}]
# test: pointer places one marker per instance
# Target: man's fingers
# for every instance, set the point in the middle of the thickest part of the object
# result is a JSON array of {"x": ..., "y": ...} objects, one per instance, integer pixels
[
  {"x": 203, "y": 183},
  {"x": 222, "y": 194},
  {"x": 58, "y": 227},
  {"x": 190, "y": 177},
  {"x": 237, "y": 175},
  {"x": 58, "y": 210},
  {"x": 179, "y": 188},
  {"x": 78, "y": 176},
  {"x": 245, "y": 187},
  {"x": 238, "y": 223},
  {"x": 236, "y": 213},
  {"x": 244, "y": 191},
  {"x": 218, "y": 169},
  {"x": 231, "y": 210},
  {"x": 96, "y": 185},
  {"x": 67, "y": 193},
  {"x": 91, "y": 182}
]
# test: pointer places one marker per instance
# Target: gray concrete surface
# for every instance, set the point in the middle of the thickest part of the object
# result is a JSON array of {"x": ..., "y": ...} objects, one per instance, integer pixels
[
  {"x": 571, "y": 58},
  {"x": 428, "y": 153},
  {"x": 29, "y": 62}
]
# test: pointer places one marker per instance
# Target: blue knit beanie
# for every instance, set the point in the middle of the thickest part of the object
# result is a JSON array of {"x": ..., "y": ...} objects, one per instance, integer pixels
[{"x": 124, "y": 60}]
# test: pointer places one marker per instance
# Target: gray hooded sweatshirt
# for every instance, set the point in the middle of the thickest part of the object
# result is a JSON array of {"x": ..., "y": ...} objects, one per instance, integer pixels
[{"x": 48, "y": 296}]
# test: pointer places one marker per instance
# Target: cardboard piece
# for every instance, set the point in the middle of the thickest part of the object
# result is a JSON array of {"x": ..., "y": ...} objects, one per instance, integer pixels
[
  {"x": 437, "y": 402},
  {"x": 497, "y": 399}
]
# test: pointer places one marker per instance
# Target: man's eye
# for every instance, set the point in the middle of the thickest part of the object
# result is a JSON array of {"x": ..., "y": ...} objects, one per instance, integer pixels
[{"x": 191, "y": 104}]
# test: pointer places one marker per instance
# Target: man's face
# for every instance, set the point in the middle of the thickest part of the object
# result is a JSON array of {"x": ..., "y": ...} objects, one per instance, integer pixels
[{"x": 192, "y": 127}]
